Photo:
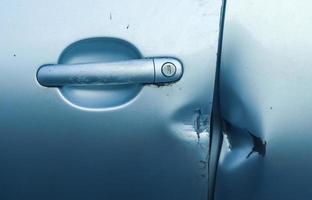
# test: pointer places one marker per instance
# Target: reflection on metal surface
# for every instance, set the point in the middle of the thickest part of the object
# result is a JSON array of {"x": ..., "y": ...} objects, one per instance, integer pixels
[
  {"x": 137, "y": 150},
  {"x": 265, "y": 84}
]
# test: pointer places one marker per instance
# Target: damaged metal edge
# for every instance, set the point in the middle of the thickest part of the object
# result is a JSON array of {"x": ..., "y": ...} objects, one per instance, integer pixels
[
  {"x": 216, "y": 136},
  {"x": 259, "y": 145}
]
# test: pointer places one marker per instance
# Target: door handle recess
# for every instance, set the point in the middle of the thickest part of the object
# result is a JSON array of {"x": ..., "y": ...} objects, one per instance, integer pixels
[{"x": 145, "y": 71}]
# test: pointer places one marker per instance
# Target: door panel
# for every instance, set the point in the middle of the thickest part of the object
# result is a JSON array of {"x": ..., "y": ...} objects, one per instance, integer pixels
[
  {"x": 151, "y": 144},
  {"x": 265, "y": 90}
]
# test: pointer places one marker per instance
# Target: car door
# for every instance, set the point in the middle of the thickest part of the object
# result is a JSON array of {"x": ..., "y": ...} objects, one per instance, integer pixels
[
  {"x": 266, "y": 100},
  {"x": 67, "y": 133}
]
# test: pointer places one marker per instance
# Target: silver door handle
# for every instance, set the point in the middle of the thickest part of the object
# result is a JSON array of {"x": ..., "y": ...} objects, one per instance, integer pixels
[{"x": 146, "y": 71}]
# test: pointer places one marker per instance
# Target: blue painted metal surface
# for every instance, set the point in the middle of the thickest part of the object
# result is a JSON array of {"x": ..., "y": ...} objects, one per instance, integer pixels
[
  {"x": 265, "y": 90},
  {"x": 131, "y": 142}
]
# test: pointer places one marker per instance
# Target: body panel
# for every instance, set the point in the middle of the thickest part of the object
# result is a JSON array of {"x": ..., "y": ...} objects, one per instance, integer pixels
[
  {"x": 144, "y": 148},
  {"x": 265, "y": 89}
]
